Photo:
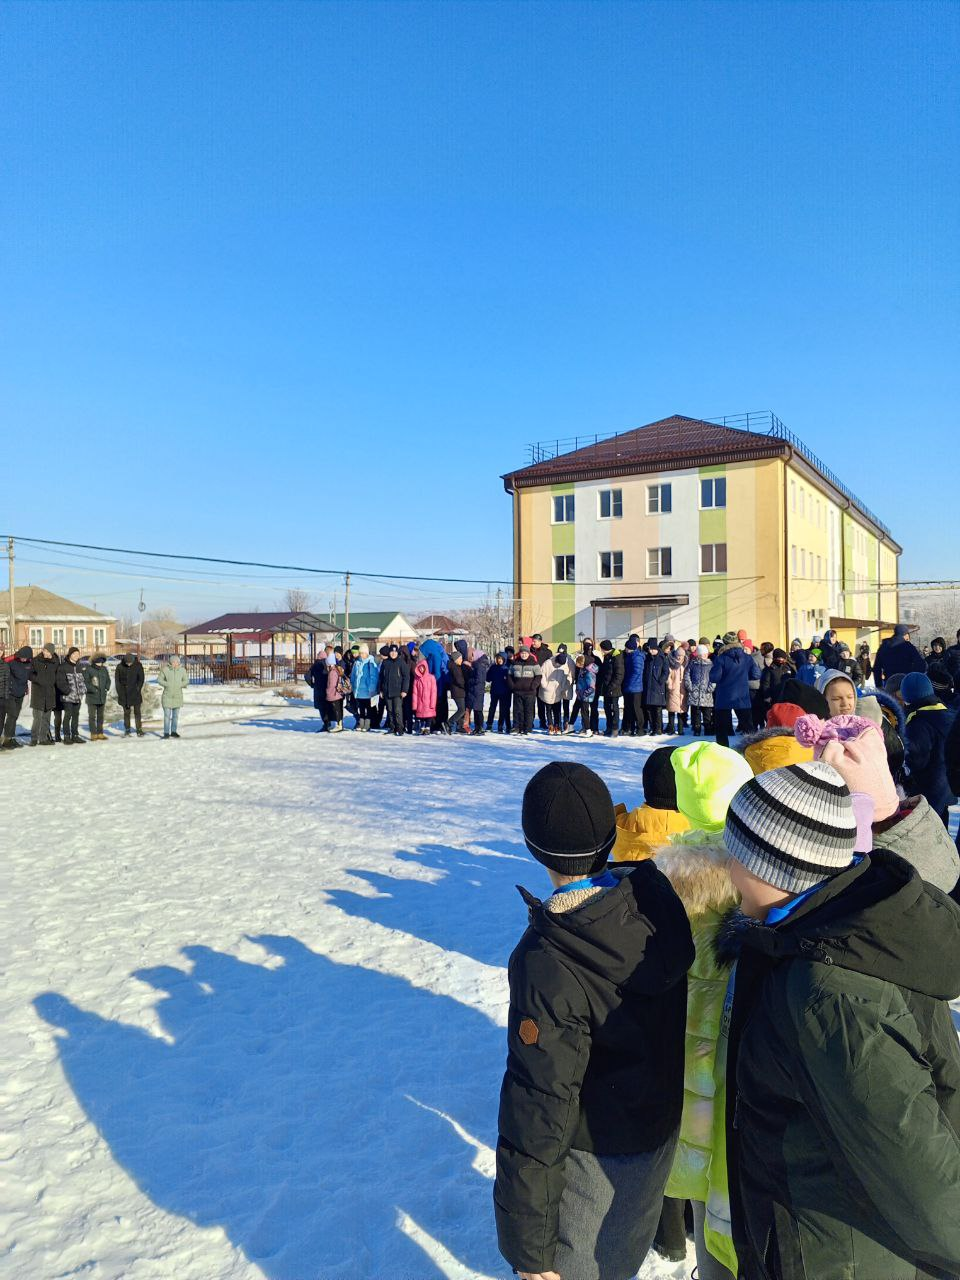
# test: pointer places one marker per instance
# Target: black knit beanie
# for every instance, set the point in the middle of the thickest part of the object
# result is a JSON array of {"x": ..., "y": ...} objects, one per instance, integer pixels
[
  {"x": 804, "y": 695},
  {"x": 568, "y": 819},
  {"x": 659, "y": 779}
]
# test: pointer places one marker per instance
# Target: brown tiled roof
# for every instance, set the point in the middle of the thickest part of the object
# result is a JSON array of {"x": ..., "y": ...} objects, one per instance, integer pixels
[
  {"x": 666, "y": 445},
  {"x": 38, "y": 603},
  {"x": 439, "y": 622}
]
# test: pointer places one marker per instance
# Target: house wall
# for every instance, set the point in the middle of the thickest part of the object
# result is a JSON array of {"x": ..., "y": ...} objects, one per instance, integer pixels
[{"x": 88, "y": 634}]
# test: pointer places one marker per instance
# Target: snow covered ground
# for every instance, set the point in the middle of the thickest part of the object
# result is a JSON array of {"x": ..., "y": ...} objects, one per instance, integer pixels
[{"x": 254, "y": 994}]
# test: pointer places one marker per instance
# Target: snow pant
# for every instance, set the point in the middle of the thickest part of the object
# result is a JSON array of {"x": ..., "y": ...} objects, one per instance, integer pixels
[
  {"x": 456, "y": 720},
  {"x": 671, "y": 1237},
  {"x": 654, "y": 718},
  {"x": 554, "y": 715},
  {"x": 672, "y": 718},
  {"x": 171, "y": 718},
  {"x": 595, "y": 715},
  {"x": 523, "y": 708},
  {"x": 11, "y": 714},
  {"x": 723, "y": 723},
  {"x": 58, "y": 723},
  {"x": 541, "y": 713},
  {"x": 71, "y": 721},
  {"x": 336, "y": 710},
  {"x": 377, "y": 710},
  {"x": 499, "y": 711},
  {"x": 702, "y": 720},
  {"x": 361, "y": 709},
  {"x": 394, "y": 714},
  {"x": 581, "y": 709},
  {"x": 95, "y": 719},
  {"x": 137, "y": 716},
  {"x": 565, "y": 711},
  {"x": 40, "y": 729},
  {"x": 611, "y": 713},
  {"x": 408, "y": 716},
  {"x": 609, "y": 1211},
  {"x": 708, "y": 1267}
]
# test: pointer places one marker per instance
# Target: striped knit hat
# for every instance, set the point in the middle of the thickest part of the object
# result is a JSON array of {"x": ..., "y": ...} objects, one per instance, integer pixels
[{"x": 793, "y": 827}]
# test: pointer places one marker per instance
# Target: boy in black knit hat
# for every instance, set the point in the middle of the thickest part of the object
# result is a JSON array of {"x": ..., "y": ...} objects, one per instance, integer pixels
[{"x": 591, "y": 1099}]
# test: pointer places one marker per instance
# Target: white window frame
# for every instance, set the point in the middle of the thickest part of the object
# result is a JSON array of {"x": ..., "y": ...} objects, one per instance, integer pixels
[
  {"x": 4, "y": 635},
  {"x": 612, "y": 565},
  {"x": 658, "y": 553},
  {"x": 793, "y": 556},
  {"x": 802, "y": 502},
  {"x": 58, "y": 635},
  {"x": 36, "y": 637},
  {"x": 616, "y": 497},
  {"x": 713, "y": 505},
  {"x": 100, "y": 636},
  {"x": 713, "y": 547},
  {"x": 793, "y": 496},
  {"x": 80, "y": 636},
  {"x": 569, "y": 568},
  {"x": 655, "y": 494},
  {"x": 569, "y": 504}
]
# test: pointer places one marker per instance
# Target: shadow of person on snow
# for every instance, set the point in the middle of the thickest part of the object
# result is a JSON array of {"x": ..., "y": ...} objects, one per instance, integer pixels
[
  {"x": 281, "y": 722},
  {"x": 473, "y": 907},
  {"x": 304, "y": 1108}
]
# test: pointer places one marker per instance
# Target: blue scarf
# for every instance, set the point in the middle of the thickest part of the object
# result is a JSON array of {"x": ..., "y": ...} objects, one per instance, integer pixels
[{"x": 605, "y": 880}]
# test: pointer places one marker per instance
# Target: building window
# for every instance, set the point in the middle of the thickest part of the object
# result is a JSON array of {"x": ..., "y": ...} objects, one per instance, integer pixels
[
  {"x": 563, "y": 508},
  {"x": 659, "y": 499},
  {"x": 659, "y": 562},
  {"x": 802, "y": 502},
  {"x": 563, "y": 569},
  {"x": 80, "y": 636},
  {"x": 793, "y": 557},
  {"x": 611, "y": 564},
  {"x": 58, "y": 635},
  {"x": 610, "y": 504},
  {"x": 803, "y": 562},
  {"x": 100, "y": 636},
  {"x": 36, "y": 637},
  {"x": 4, "y": 635},
  {"x": 713, "y": 557},
  {"x": 793, "y": 496},
  {"x": 713, "y": 493}
]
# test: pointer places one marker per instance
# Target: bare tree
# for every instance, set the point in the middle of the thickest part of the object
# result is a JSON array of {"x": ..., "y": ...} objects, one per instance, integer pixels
[
  {"x": 934, "y": 612},
  {"x": 297, "y": 600},
  {"x": 489, "y": 625}
]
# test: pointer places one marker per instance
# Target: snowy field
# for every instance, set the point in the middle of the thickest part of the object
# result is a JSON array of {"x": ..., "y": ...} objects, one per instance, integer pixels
[{"x": 254, "y": 997}]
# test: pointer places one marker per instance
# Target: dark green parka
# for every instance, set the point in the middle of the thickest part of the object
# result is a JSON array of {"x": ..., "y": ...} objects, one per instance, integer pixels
[
  {"x": 595, "y": 1047},
  {"x": 842, "y": 1130},
  {"x": 97, "y": 678}
]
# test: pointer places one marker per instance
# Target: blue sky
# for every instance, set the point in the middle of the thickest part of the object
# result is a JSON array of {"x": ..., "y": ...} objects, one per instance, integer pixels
[{"x": 298, "y": 282}]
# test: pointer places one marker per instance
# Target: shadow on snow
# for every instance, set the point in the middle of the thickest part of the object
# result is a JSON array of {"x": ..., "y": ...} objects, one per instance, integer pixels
[{"x": 304, "y": 1108}]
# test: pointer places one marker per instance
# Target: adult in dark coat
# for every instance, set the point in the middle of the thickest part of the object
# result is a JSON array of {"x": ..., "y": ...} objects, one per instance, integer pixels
[
  {"x": 129, "y": 679},
  {"x": 772, "y": 680},
  {"x": 97, "y": 680},
  {"x": 610, "y": 686},
  {"x": 733, "y": 669},
  {"x": 928, "y": 726},
  {"x": 457, "y": 677},
  {"x": 498, "y": 676},
  {"x": 830, "y": 651},
  {"x": 897, "y": 655},
  {"x": 316, "y": 677},
  {"x": 72, "y": 689},
  {"x": 394, "y": 683},
  {"x": 951, "y": 660},
  {"x": 542, "y": 653},
  {"x": 656, "y": 670},
  {"x": 16, "y": 678},
  {"x": 43, "y": 694}
]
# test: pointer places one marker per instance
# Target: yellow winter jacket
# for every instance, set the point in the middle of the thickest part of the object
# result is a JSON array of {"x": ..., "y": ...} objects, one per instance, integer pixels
[
  {"x": 774, "y": 749},
  {"x": 641, "y": 832}
]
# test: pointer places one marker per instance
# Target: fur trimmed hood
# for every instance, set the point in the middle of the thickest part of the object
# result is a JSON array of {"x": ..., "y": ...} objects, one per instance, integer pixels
[
  {"x": 891, "y": 704},
  {"x": 696, "y": 864}
]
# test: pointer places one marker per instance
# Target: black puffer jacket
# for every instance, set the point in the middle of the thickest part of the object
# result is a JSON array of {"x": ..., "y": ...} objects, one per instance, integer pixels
[
  {"x": 525, "y": 675},
  {"x": 43, "y": 682},
  {"x": 394, "y": 677},
  {"x": 595, "y": 1042},
  {"x": 70, "y": 683},
  {"x": 18, "y": 674},
  {"x": 928, "y": 726},
  {"x": 128, "y": 682},
  {"x": 842, "y": 1125},
  {"x": 610, "y": 680},
  {"x": 457, "y": 680}
]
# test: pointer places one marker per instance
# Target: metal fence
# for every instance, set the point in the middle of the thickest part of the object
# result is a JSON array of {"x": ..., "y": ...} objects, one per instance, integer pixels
[{"x": 215, "y": 669}]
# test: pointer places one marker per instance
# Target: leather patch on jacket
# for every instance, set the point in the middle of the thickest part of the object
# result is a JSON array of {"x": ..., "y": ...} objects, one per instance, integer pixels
[{"x": 529, "y": 1031}]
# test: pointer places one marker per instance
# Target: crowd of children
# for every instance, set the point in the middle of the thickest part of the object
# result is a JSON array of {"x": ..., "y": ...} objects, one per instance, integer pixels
[{"x": 731, "y": 1012}]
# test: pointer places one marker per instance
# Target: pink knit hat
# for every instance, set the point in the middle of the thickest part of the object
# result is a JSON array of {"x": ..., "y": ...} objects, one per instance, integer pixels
[{"x": 855, "y": 748}]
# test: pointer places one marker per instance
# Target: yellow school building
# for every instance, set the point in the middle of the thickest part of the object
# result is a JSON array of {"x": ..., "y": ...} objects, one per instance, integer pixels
[{"x": 696, "y": 527}]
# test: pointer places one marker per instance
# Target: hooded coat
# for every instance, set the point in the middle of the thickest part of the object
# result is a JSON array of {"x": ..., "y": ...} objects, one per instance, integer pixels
[
  {"x": 70, "y": 683},
  {"x": 424, "y": 691},
  {"x": 438, "y": 660},
  {"x": 731, "y": 673},
  {"x": 676, "y": 697},
  {"x": 645, "y": 830},
  {"x": 610, "y": 680},
  {"x": 497, "y": 675},
  {"x": 594, "y": 1045},
  {"x": 97, "y": 680},
  {"x": 842, "y": 1127},
  {"x": 655, "y": 673},
  {"x": 928, "y": 724},
  {"x": 18, "y": 672},
  {"x": 556, "y": 681},
  {"x": 128, "y": 682},
  {"x": 772, "y": 680},
  {"x": 524, "y": 675},
  {"x": 43, "y": 682},
  {"x": 477, "y": 680},
  {"x": 696, "y": 681},
  {"x": 774, "y": 749},
  {"x": 634, "y": 660},
  {"x": 917, "y": 835},
  {"x": 365, "y": 677},
  {"x": 172, "y": 681}
]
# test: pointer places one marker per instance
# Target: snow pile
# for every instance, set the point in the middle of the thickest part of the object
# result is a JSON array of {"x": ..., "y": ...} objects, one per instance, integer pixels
[{"x": 255, "y": 996}]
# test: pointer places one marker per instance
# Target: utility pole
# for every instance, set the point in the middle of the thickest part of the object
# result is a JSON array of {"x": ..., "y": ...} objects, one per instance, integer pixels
[
  {"x": 140, "y": 608},
  {"x": 13, "y": 611},
  {"x": 345, "y": 637}
]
